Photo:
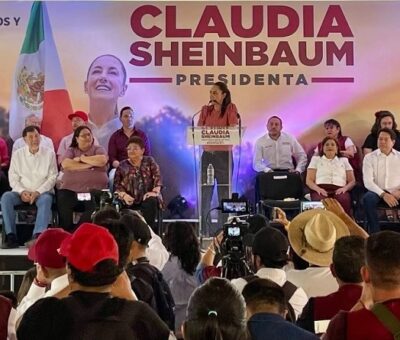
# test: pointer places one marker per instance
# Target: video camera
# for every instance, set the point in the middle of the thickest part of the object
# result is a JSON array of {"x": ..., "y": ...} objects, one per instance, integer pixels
[{"x": 233, "y": 249}]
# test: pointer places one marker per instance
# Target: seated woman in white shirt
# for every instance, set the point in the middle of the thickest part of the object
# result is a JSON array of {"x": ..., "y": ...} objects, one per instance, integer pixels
[
  {"x": 330, "y": 175},
  {"x": 346, "y": 146}
]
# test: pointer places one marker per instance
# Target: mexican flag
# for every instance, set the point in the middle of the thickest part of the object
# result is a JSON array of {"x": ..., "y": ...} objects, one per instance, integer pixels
[{"x": 39, "y": 87}]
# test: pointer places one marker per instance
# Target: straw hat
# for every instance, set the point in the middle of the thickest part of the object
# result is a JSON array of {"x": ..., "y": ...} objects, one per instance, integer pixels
[{"x": 313, "y": 233}]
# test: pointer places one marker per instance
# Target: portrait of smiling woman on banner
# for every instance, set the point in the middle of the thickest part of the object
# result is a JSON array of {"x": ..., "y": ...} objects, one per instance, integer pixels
[{"x": 105, "y": 83}]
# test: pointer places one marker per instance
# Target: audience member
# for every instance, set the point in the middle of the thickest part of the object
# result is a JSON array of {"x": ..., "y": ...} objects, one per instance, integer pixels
[
  {"x": 267, "y": 307},
  {"x": 382, "y": 182},
  {"x": 105, "y": 84},
  {"x": 380, "y": 300},
  {"x": 32, "y": 175},
  {"x": 346, "y": 146},
  {"x": 33, "y": 120},
  {"x": 146, "y": 280},
  {"x": 138, "y": 181},
  {"x": 183, "y": 245},
  {"x": 156, "y": 251},
  {"x": 312, "y": 235},
  {"x": 7, "y": 319},
  {"x": 51, "y": 273},
  {"x": 348, "y": 258},
  {"x": 257, "y": 222},
  {"x": 276, "y": 150},
  {"x": 78, "y": 118},
  {"x": 383, "y": 119},
  {"x": 123, "y": 236},
  {"x": 270, "y": 254},
  {"x": 89, "y": 312},
  {"x": 84, "y": 166},
  {"x": 216, "y": 311},
  {"x": 329, "y": 175}
]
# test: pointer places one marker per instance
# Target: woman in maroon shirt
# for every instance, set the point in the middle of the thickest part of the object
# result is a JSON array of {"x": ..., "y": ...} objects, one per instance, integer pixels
[
  {"x": 219, "y": 113},
  {"x": 138, "y": 181},
  {"x": 85, "y": 169}
]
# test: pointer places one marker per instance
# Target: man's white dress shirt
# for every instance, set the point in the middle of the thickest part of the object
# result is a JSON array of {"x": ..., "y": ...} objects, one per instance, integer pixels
[{"x": 272, "y": 154}]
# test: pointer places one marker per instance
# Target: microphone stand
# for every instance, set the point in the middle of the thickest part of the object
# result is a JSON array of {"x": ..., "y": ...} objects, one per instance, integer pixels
[
  {"x": 196, "y": 174},
  {"x": 240, "y": 150}
]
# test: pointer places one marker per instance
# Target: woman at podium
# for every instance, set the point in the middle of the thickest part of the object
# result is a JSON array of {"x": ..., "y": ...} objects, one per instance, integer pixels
[{"x": 216, "y": 160}]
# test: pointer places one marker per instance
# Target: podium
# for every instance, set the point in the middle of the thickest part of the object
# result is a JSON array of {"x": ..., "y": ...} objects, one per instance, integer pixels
[{"x": 216, "y": 144}]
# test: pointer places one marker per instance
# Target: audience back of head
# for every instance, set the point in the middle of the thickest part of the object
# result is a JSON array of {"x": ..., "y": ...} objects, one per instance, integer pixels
[
  {"x": 216, "y": 311},
  {"x": 348, "y": 258},
  {"x": 383, "y": 259},
  {"x": 264, "y": 296}
]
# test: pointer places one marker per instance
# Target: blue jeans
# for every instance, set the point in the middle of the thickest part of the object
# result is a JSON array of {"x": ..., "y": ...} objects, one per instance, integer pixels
[
  {"x": 370, "y": 201},
  {"x": 43, "y": 203}
]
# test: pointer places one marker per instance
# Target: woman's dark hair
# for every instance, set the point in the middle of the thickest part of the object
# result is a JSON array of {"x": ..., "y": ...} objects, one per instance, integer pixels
[
  {"x": 74, "y": 142},
  {"x": 104, "y": 273},
  {"x": 135, "y": 140},
  {"x": 181, "y": 241},
  {"x": 216, "y": 310},
  {"x": 378, "y": 118},
  {"x": 335, "y": 123},
  {"x": 321, "y": 152},
  {"x": 227, "y": 100}
]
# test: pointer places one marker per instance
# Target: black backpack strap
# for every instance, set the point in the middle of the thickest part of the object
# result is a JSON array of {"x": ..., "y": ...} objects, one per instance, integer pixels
[
  {"x": 289, "y": 288},
  {"x": 387, "y": 318},
  {"x": 250, "y": 278}
]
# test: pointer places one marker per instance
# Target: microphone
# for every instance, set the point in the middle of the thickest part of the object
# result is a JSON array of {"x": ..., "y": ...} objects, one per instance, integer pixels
[
  {"x": 240, "y": 124},
  {"x": 208, "y": 105}
]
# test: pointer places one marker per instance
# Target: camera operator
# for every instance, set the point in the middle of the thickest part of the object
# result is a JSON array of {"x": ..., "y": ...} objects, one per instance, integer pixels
[
  {"x": 269, "y": 256},
  {"x": 208, "y": 265}
]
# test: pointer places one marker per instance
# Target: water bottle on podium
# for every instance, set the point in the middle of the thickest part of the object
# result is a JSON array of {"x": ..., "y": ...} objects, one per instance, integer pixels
[{"x": 210, "y": 174}]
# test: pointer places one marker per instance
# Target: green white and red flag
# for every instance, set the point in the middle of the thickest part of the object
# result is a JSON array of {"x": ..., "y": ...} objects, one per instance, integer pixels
[{"x": 39, "y": 86}]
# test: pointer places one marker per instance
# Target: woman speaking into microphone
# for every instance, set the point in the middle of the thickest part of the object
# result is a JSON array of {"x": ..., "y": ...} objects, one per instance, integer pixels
[{"x": 220, "y": 112}]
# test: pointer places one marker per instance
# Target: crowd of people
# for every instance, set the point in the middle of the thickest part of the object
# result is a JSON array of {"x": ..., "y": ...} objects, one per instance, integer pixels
[
  {"x": 107, "y": 275},
  {"x": 103, "y": 281}
]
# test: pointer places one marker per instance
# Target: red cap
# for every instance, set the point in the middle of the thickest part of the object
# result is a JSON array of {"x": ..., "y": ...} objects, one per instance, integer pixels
[
  {"x": 45, "y": 249},
  {"x": 89, "y": 245},
  {"x": 80, "y": 114}
]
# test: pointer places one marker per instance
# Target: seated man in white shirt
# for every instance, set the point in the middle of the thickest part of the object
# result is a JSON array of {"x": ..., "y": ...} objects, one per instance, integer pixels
[
  {"x": 33, "y": 120},
  {"x": 32, "y": 176},
  {"x": 276, "y": 150},
  {"x": 270, "y": 253},
  {"x": 50, "y": 267},
  {"x": 78, "y": 118},
  {"x": 381, "y": 177}
]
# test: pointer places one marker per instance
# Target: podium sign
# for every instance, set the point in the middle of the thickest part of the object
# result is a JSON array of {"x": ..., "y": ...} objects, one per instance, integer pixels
[{"x": 217, "y": 135}]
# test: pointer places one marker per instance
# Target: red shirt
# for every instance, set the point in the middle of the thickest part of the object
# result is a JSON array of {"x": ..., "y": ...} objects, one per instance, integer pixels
[
  {"x": 117, "y": 144},
  {"x": 210, "y": 117},
  {"x": 4, "y": 157},
  {"x": 361, "y": 324}
]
